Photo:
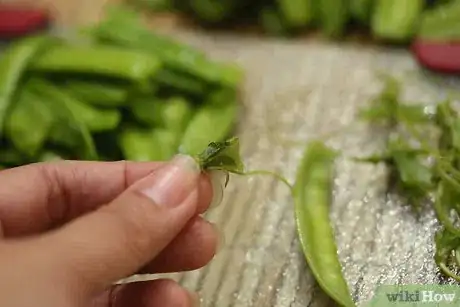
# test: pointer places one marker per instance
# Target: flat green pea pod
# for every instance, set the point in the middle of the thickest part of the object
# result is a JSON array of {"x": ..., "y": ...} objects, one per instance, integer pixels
[
  {"x": 396, "y": 20},
  {"x": 312, "y": 196},
  {"x": 173, "y": 113},
  {"x": 102, "y": 94},
  {"x": 272, "y": 22},
  {"x": 441, "y": 23},
  {"x": 96, "y": 119},
  {"x": 122, "y": 27},
  {"x": 11, "y": 157},
  {"x": 213, "y": 10},
  {"x": 333, "y": 15},
  {"x": 361, "y": 10},
  {"x": 210, "y": 123},
  {"x": 139, "y": 144},
  {"x": 100, "y": 60},
  {"x": 13, "y": 62},
  {"x": 180, "y": 82},
  {"x": 297, "y": 13},
  {"x": 69, "y": 128},
  {"x": 29, "y": 122}
]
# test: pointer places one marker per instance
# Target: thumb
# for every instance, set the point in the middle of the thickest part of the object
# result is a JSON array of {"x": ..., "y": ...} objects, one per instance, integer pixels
[{"x": 118, "y": 239}]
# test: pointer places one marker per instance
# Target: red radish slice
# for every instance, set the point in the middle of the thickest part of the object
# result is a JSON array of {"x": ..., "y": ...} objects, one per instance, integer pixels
[
  {"x": 20, "y": 21},
  {"x": 438, "y": 56}
]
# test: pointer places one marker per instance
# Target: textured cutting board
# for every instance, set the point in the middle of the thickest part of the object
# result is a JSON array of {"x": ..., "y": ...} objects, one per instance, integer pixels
[{"x": 301, "y": 90}]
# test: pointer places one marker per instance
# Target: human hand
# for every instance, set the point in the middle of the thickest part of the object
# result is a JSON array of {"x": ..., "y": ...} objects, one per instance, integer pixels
[{"x": 70, "y": 229}]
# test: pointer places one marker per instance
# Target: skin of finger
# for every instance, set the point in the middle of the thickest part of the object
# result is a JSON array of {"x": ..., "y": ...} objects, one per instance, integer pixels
[
  {"x": 160, "y": 292},
  {"x": 41, "y": 196},
  {"x": 192, "y": 249},
  {"x": 115, "y": 241}
]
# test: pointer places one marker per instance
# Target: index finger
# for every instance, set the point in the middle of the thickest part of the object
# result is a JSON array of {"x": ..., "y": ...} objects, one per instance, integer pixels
[{"x": 38, "y": 197}]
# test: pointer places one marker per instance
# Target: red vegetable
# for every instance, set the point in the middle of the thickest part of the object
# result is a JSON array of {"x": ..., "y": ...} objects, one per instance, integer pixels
[
  {"x": 19, "y": 21},
  {"x": 438, "y": 56}
]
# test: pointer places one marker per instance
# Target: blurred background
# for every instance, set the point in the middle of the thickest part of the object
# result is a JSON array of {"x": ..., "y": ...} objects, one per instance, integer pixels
[{"x": 143, "y": 79}]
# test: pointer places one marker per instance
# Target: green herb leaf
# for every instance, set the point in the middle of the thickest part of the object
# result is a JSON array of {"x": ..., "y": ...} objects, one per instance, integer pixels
[{"x": 222, "y": 156}]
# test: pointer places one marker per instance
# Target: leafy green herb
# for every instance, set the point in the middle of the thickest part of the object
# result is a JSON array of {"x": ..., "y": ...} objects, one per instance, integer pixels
[{"x": 408, "y": 150}]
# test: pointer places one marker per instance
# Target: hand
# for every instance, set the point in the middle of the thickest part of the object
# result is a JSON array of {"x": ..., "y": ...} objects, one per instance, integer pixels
[{"x": 70, "y": 229}]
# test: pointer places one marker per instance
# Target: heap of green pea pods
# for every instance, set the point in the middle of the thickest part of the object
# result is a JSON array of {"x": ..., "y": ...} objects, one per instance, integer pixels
[
  {"x": 389, "y": 20},
  {"x": 119, "y": 92}
]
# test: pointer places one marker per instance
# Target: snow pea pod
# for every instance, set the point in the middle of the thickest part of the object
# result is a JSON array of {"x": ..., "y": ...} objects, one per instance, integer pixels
[
  {"x": 12, "y": 64},
  {"x": 333, "y": 15},
  {"x": 139, "y": 144},
  {"x": 124, "y": 29},
  {"x": 197, "y": 135},
  {"x": 441, "y": 23},
  {"x": 102, "y": 94},
  {"x": 29, "y": 122},
  {"x": 101, "y": 60},
  {"x": 297, "y": 13},
  {"x": 361, "y": 10},
  {"x": 396, "y": 20},
  {"x": 312, "y": 197}
]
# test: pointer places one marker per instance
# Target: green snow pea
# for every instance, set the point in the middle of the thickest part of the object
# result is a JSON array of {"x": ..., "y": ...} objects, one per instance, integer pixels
[
  {"x": 139, "y": 144},
  {"x": 361, "y": 10},
  {"x": 396, "y": 20},
  {"x": 312, "y": 197},
  {"x": 333, "y": 16},
  {"x": 102, "y": 94},
  {"x": 29, "y": 122},
  {"x": 99, "y": 60},
  {"x": 173, "y": 113},
  {"x": 441, "y": 23},
  {"x": 69, "y": 128},
  {"x": 13, "y": 62},
  {"x": 125, "y": 29},
  {"x": 297, "y": 13},
  {"x": 210, "y": 123}
]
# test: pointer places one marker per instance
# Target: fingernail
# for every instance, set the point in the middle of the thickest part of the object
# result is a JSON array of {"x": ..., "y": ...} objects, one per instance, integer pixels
[
  {"x": 173, "y": 182},
  {"x": 218, "y": 179}
]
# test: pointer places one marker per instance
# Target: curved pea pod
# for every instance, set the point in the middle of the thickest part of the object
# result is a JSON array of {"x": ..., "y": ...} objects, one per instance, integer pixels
[
  {"x": 210, "y": 123},
  {"x": 69, "y": 128},
  {"x": 297, "y": 13},
  {"x": 102, "y": 94},
  {"x": 312, "y": 196},
  {"x": 29, "y": 122},
  {"x": 173, "y": 113},
  {"x": 271, "y": 21},
  {"x": 213, "y": 10},
  {"x": 361, "y": 10},
  {"x": 333, "y": 16},
  {"x": 139, "y": 144},
  {"x": 95, "y": 119},
  {"x": 123, "y": 27},
  {"x": 101, "y": 60},
  {"x": 396, "y": 20},
  {"x": 441, "y": 23},
  {"x": 181, "y": 82},
  {"x": 13, "y": 62},
  {"x": 11, "y": 157}
]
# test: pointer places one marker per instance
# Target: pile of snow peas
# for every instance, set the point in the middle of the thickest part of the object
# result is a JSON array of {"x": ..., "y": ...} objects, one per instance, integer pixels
[
  {"x": 119, "y": 91},
  {"x": 392, "y": 20}
]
